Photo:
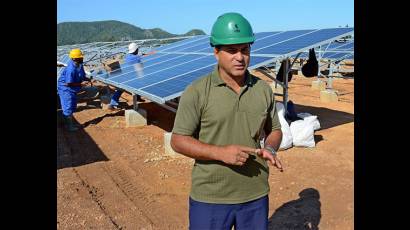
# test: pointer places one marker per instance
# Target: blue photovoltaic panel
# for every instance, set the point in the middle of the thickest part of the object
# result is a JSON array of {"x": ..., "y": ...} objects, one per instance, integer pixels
[
  {"x": 158, "y": 58},
  {"x": 64, "y": 59},
  {"x": 204, "y": 39},
  {"x": 264, "y": 35},
  {"x": 167, "y": 73},
  {"x": 341, "y": 50},
  {"x": 335, "y": 50},
  {"x": 276, "y": 39},
  {"x": 262, "y": 39},
  {"x": 182, "y": 43},
  {"x": 173, "y": 67},
  {"x": 348, "y": 46},
  {"x": 350, "y": 56},
  {"x": 177, "y": 65},
  {"x": 202, "y": 45},
  {"x": 298, "y": 44},
  {"x": 336, "y": 55},
  {"x": 173, "y": 87},
  {"x": 176, "y": 85}
]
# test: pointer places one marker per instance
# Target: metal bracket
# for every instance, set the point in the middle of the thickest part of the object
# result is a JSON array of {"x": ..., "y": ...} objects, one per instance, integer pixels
[{"x": 168, "y": 107}]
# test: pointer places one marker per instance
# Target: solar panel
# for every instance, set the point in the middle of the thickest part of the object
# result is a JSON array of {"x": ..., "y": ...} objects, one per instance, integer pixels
[
  {"x": 335, "y": 51},
  {"x": 299, "y": 43},
  {"x": 339, "y": 55},
  {"x": 64, "y": 59},
  {"x": 347, "y": 46},
  {"x": 174, "y": 66},
  {"x": 184, "y": 43}
]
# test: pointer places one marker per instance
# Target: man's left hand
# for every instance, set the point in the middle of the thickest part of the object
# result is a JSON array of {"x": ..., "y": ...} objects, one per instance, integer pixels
[{"x": 267, "y": 155}]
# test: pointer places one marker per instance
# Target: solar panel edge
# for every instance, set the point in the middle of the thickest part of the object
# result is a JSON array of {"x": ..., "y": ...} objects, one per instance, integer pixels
[{"x": 134, "y": 91}]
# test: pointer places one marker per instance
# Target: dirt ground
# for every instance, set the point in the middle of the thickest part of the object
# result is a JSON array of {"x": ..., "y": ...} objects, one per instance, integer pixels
[{"x": 112, "y": 177}]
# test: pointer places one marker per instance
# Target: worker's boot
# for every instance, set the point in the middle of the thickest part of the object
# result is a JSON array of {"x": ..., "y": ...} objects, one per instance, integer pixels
[{"x": 70, "y": 125}]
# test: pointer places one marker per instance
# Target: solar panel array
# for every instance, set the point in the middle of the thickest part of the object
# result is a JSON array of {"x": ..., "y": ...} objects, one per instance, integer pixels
[
  {"x": 173, "y": 67},
  {"x": 106, "y": 48}
]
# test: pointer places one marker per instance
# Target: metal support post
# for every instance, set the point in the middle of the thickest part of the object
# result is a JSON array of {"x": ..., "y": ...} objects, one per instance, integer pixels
[
  {"x": 330, "y": 79},
  {"x": 285, "y": 89},
  {"x": 329, "y": 83},
  {"x": 277, "y": 66},
  {"x": 319, "y": 59},
  {"x": 134, "y": 101}
]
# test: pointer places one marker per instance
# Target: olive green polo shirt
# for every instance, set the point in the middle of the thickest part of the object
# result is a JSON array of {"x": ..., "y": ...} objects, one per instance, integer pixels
[{"x": 213, "y": 113}]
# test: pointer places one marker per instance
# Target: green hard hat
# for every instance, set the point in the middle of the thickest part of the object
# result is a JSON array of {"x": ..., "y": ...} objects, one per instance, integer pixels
[{"x": 231, "y": 28}]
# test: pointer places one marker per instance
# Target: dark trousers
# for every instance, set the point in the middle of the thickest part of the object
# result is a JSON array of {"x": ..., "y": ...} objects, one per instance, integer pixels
[{"x": 250, "y": 215}]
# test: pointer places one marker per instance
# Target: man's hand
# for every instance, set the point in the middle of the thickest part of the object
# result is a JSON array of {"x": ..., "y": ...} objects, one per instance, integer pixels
[
  {"x": 236, "y": 154},
  {"x": 267, "y": 155}
]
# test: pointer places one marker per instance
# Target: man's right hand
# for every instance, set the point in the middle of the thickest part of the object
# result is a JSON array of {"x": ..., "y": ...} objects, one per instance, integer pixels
[{"x": 236, "y": 154}]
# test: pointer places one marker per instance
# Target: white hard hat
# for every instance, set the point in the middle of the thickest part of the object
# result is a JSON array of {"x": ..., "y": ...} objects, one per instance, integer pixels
[{"x": 132, "y": 47}]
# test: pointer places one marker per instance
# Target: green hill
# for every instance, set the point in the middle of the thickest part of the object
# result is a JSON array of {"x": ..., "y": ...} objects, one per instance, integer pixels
[
  {"x": 194, "y": 32},
  {"x": 105, "y": 31}
]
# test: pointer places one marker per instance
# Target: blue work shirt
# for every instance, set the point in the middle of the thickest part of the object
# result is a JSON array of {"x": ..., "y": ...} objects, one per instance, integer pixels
[
  {"x": 71, "y": 74},
  {"x": 132, "y": 58}
]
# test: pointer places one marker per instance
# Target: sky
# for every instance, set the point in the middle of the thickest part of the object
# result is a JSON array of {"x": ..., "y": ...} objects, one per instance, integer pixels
[{"x": 180, "y": 16}]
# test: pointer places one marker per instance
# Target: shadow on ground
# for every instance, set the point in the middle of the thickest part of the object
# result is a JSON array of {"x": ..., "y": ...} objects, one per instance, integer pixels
[
  {"x": 301, "y": 214},
  {"x": 76, "y": 148},
  {"x": 159, "y": 116},
  {"x": 328, "y": 118},
  {"x": 100, "y": 118},
  {"x": 318, "y": 138}
]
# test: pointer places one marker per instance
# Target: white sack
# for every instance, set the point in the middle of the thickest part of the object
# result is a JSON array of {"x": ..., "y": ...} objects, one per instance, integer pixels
[{"x": 302, "y": 133}]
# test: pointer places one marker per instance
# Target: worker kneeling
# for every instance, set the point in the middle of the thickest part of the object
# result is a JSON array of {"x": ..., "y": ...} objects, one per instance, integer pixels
[{"x": 69, "y": 84}]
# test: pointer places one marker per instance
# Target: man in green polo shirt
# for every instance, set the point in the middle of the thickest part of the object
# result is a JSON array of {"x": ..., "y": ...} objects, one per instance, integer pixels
[{"x": 220, "y": 121}]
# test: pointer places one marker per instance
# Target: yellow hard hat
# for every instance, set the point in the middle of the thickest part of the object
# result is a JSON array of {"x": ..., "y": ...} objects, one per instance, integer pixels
[{"x": 76, "y": 53}]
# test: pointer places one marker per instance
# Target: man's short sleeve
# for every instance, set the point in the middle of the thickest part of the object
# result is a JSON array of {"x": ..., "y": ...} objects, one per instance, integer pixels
[{"x": 188, "y": 115}]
